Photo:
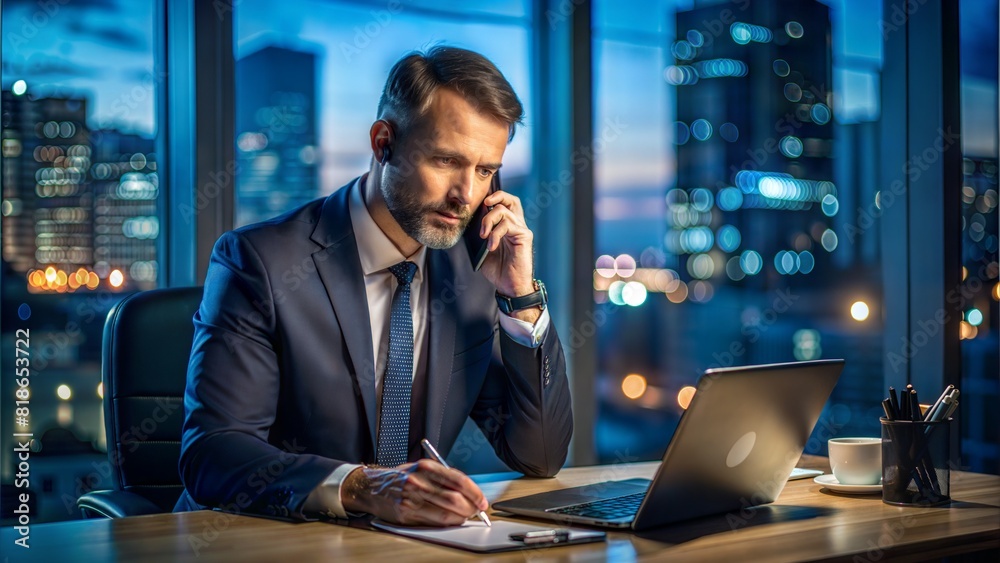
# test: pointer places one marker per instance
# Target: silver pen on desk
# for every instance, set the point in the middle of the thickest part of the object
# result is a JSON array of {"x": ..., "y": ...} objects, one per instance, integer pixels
[{"x": 433, "y": 453}]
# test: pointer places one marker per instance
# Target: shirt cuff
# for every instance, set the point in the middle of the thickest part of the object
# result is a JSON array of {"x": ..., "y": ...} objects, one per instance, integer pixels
[
  {"x": 325, "y": 499},
  {"x": 523, "y": 332}
]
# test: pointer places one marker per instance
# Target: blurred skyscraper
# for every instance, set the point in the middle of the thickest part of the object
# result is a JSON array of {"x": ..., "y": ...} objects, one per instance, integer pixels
[
  {"x": 126, "y": 226},
  {"x": 276, "y": 139},
  {"x": 754, "y": 135},
  {"x": 77, "y": 204}
]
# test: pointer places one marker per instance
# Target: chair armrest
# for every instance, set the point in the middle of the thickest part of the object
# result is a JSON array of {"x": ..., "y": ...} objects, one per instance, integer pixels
[{"x": 115, "y": 504}]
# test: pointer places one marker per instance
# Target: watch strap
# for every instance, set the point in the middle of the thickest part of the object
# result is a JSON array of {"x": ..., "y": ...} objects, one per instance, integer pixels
[{"x": 538, "y": 299}]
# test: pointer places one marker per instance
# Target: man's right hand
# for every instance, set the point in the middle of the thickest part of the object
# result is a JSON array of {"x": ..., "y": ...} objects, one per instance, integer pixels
[{"x": 421, "y": 493}]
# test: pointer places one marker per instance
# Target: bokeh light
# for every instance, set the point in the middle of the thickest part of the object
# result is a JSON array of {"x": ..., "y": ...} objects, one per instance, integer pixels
[
  {"x": 624, "y": 265},
  {"x": 729, "y": 132},
  {"x": 967, "y": 331},
  {"x": 806, "y": 261},
  {"x": 829, "y": 240},
  {"x": 751, "y": 262},
  {"x": 615, "y": 292},
  {"x": 633, "y": 294},
  {"x": 64, "y": 392},
  {"x": 859, "y": 311},
  {"x": 974, "y": 317},
  {"x": 830, "y": 205},
  {"x": 605, "y": 266},
  {"x": 701, "y": 129},
  {"x": 728, "y": 238},
  {"x": 685, "y": 395},
  {"x": 634, "y": 386},
  {"x": 794, "y": 29}
]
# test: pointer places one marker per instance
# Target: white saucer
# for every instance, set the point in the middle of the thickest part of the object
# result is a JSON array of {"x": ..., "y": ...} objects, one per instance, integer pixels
[{"x": 831, "y": 482}]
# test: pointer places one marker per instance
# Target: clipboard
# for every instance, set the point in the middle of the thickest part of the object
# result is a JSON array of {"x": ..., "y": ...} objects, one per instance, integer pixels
[{"x": 477, "y": 537}]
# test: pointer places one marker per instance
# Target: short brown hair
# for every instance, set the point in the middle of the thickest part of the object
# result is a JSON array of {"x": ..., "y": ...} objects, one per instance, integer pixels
[{"x": 415, "y": 77}]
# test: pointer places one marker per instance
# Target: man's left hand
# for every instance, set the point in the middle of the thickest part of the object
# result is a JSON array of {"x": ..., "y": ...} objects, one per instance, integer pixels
[{"x": 509, "y": 265}]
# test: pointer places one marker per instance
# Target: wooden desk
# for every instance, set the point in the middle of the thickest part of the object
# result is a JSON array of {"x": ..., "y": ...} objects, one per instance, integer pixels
[{"x": 804, "y": 524}]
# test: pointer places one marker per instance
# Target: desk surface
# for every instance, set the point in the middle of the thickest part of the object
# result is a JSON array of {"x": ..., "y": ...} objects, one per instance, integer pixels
[{"x": 806, "y": 523}]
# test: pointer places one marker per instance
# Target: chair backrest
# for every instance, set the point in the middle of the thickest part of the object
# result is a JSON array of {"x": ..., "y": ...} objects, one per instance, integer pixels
[{"x": 147, "y": 342}]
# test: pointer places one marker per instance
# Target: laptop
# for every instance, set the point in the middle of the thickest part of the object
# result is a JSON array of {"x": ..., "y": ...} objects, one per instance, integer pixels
[{"x": 734, "y": 447}]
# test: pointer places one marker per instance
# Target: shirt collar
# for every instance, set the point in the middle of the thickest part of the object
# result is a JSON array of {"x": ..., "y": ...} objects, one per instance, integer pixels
[{"x": 376, "y": 251}]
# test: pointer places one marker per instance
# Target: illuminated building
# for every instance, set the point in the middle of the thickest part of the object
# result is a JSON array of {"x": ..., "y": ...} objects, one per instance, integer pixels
[
  {"x": 126, "y": 225},
  {"x": 754, "y": 138},
  {"x": 18, "y": 175},
  {"x": 276, "y": 140},
  {"x": 77, "y": 204},
  {"x": 46, "y": 189}
]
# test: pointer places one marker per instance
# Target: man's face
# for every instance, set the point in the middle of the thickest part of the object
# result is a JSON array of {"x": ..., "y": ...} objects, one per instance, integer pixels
[{"x": 446, "y": 162}]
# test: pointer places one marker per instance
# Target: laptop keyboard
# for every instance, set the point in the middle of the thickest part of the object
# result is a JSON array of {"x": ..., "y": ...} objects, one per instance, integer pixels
[{"x": 605, "y": 509}]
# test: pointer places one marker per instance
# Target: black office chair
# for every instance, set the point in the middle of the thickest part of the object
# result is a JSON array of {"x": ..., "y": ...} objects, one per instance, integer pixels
[{"x": 144, "y": 358}]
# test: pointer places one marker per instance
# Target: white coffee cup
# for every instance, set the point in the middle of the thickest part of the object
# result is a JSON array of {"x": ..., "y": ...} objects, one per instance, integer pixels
[{"x": 856, "y": 461}]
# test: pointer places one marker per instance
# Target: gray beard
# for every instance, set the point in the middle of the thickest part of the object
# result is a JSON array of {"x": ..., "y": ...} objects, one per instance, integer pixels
[{"x": 410, "y": 215}]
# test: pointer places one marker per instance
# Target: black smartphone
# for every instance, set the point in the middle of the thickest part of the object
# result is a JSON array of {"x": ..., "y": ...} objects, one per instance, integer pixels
[{"x": 477, "y": 246}]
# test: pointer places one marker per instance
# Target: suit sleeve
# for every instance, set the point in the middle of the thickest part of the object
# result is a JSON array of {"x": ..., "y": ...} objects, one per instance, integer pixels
[
  {"x": 231, "y": 397},
  {"x": 524, "y": 408}
]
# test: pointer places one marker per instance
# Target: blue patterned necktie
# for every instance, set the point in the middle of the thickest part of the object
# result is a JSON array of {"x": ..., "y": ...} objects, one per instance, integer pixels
[{"x": 394, "y": 424}]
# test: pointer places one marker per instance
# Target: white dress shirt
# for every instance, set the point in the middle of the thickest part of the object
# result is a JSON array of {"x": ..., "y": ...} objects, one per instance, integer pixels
[{"x": 377, "y": 254}]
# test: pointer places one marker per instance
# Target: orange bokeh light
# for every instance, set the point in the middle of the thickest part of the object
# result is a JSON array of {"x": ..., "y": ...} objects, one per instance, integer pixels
[{"x": 684, "y": 396}]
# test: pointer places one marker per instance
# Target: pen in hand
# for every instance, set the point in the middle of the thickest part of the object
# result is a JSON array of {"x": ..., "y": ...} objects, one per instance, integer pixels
[{"x": 433, "y": 453}]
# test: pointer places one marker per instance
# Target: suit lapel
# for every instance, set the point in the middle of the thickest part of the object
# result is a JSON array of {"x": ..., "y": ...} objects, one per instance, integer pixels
[
  {"x": 442, "y": 313},
  {"x": 339, "y": 268}
]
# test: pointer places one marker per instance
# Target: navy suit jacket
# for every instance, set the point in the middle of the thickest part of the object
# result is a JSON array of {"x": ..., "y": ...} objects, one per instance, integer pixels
[{"x": 281, "y": 380}]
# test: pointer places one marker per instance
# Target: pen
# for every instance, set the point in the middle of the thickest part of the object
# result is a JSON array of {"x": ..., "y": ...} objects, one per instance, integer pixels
[
  {"x": 433, "y": 453},
  {"x": 894, "y": 402},
  {"x": 937, "y": 403},
  {"x": 887, "y": 407},
  {"x": 541, "y": 536},
  {"x": 951, "y": 409},
  {"x": 914, "y": 406},
  {"x": 948, "y": 406}
]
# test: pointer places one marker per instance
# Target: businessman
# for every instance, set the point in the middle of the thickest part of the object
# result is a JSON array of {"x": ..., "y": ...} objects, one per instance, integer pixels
[{"x": 335, "y": 337}]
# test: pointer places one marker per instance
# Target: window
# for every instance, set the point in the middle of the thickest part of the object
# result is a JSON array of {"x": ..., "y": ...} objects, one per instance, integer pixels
[
  {"x": 309, "y": 75},
  {"x": 979, "y": 328},
  {"x": 80, "y": 215},
  {"x": 730, "y": 226}
]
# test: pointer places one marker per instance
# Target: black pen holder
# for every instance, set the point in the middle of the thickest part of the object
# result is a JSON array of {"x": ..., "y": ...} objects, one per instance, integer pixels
[{"x": 915, "y": 462}]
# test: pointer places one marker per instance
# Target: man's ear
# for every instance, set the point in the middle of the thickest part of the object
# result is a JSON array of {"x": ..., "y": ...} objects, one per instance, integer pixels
[{"x": 382, "y": 138}]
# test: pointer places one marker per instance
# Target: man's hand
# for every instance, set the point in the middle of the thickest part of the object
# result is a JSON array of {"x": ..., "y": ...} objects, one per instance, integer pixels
[
  {"x": 509, "y": 265},
  {"x": 422, "y": 493}
]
